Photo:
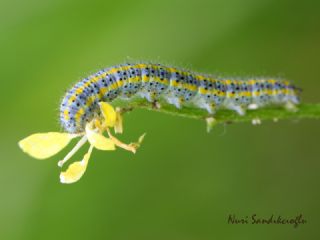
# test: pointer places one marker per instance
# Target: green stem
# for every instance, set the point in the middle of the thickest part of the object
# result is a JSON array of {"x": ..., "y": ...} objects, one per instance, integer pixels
[{"x": 304, "y": 111}]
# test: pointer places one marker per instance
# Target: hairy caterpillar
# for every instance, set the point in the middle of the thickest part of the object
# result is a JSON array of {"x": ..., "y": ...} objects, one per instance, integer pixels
[
  {"x": 86, "y": 112},
  {"x": 178, "y": 87}
]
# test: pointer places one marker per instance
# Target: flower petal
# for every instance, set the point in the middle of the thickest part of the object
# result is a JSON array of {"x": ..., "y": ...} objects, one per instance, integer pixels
[
  {"x": 44, "y": 145},
  {"x": 98, "y": 140},
  {"x": 108, "y": 113},
  {"x": 76, "y": 170},
  {"x": 82, "y": 141}
]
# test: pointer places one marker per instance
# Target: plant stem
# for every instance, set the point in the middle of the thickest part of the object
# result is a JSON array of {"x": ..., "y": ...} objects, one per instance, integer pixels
[{"x": 304, "y": 111}]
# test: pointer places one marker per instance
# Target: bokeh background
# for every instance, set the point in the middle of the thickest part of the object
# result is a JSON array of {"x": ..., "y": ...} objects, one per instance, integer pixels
[{"x": 183, "y": 183}]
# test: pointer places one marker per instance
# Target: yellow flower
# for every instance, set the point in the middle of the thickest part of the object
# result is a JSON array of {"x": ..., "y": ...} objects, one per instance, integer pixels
[{"x": 45, "y": 145}]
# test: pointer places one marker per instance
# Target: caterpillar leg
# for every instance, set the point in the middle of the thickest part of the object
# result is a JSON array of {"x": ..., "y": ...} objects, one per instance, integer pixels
[
  {"x": 290, "y": 106},
  {"x": 150, "y": 96},
  {"x": 239, "y": 109},
  {"x": 253, "y": 106},
  {"x": 176, "y": 101},
  {"x": 156, "y": 105},
  {"x": 209, "y": 106}
]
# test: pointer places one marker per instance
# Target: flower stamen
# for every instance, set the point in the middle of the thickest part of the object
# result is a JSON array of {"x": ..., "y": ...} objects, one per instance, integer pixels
[
  {"x": 132, "y": 147},
  {"x": 118, "y": 127},
  {"x": 81, "y": 142}
]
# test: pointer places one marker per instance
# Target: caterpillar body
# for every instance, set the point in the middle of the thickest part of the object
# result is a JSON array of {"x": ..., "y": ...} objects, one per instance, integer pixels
[{"x": 178, "y": 87}]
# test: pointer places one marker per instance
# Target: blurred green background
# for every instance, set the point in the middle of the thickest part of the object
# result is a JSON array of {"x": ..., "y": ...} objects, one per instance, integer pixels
[{"x": 183, "y": 183}]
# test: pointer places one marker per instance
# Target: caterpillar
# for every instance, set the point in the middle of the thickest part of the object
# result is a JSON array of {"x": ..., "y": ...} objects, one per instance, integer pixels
[
  {"x": 176, "y": 86},
  {"x": 87, "y": 110}
]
